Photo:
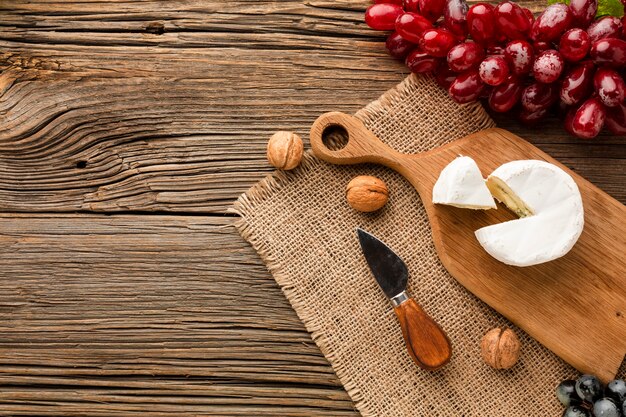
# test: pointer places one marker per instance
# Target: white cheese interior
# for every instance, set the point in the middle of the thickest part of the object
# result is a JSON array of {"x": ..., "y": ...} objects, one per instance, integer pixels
[
  {"x": 461, "y": 184},
  {"x": 549, "y": 201}
]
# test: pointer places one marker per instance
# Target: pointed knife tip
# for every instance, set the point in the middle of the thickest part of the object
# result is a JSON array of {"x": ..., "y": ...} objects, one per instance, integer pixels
[{"x": 363, "y": 236}]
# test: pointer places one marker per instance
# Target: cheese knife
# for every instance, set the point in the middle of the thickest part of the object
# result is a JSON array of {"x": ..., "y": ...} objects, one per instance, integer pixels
[{"x": 426, "y": 342}]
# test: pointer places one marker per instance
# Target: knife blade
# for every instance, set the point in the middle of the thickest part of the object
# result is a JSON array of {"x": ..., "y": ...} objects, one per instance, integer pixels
[{"x": 426, "y": 342}]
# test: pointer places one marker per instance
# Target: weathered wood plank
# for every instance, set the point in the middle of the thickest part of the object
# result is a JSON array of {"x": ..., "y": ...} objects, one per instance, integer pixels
[
  {"x": 113, "y": 314},
  {"x": 102, "y": 113}
]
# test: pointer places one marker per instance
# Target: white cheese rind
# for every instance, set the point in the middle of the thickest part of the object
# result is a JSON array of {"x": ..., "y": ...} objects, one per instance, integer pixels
[
  {"x": 461, "y": 184},
  {"x": 553, "y": 228}
]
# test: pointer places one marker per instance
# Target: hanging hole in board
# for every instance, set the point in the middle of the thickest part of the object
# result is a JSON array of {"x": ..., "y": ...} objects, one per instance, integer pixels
[
  {"x": 81, "y": 164},
  {"x": 335, "y": 137}
]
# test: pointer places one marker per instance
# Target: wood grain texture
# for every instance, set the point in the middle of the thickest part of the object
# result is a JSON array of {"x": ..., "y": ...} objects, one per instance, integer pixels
[
  {"x": 166, "y": 106},
  {"x": 121, "y": 315},
  {"x": 425, "y": 340}
]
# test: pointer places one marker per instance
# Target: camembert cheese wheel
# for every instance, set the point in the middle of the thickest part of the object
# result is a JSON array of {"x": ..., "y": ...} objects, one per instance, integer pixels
[
  {"x": 551, "y": 209},
  {"x": 461, "y": 184}
]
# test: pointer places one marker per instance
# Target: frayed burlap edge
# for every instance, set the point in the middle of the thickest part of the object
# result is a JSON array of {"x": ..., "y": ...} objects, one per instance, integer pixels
[{"x": 244, "y": 205}]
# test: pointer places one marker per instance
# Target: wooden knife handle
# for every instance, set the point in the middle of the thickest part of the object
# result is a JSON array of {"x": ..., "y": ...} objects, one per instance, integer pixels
[{"x": 426, "y": 342}]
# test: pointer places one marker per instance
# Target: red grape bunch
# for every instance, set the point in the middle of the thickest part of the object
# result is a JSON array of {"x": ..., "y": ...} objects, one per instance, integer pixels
[{"x": 565, "y": 59}]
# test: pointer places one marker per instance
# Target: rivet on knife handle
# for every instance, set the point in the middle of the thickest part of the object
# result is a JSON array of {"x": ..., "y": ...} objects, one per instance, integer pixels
[{"x": 426, "y": 342}]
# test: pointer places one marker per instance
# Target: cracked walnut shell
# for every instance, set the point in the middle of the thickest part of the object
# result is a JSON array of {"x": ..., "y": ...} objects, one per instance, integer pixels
[
  {"x": 366, "y": 193},
  {"x": 284, "y": 150},
  {"x": 500, "y": 348}
]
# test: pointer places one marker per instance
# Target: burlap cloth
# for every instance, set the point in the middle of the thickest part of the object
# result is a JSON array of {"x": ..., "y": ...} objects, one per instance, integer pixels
[{"x": 304, "y": 230}]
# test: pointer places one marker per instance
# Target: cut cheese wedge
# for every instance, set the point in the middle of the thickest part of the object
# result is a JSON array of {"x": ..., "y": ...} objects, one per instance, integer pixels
[
  {"x": 461, "y": 184},
  {"x": 549, "y": 202}
]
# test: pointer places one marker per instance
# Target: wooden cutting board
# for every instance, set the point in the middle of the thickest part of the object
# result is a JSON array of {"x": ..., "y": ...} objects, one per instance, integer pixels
[{"x": 575, "y": 305}]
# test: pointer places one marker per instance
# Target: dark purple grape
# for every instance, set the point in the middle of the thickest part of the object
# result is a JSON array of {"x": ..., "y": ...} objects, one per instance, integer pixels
[
  {"x": 566, "y": 393},
  {"x": 616, "y": 390},
  {"x": 576, "y": 411},
  {"x": 605, "y": 407},
  {"x": 589, "y": 388}
]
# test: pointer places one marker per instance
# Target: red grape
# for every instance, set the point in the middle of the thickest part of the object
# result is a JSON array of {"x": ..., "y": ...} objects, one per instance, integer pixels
[
  {"x": 445, "y": 76},
  {"x": 506, "y": 95},
  {"x": 610, "y": 52},
  {"x": 539, "y": 96},
  {"x": 411, "y": 26},
  {"x": 481, "y": 21},
  {"x": 577, "y": 83},
  {"x": 411, "y": 6},
  {"x": 539, "y": 47},
  {"x": 588, "y": 120},
  {"x": 606, "y": 27},
  {"x": 569, "y": 119},
  {"x": 397, "y": 46},
  {"x": 610, "y": 87},
  {"x": 493, "y": 70},
  {"x": 455, "y": 17},
  {"x": 583, "y": 12},
  {"x": 494, "y": 50},
  {"x": 511, "y": 20},
  {"x": 548, "y": 66},
  {"x": 550, "y": 24},
  {"x": 382, "y": 16},
  {"x": 419, "y": 62},
  {"x": 466, "y": 87},
  {"x": 531, "y": 118},
  {"x": 437, "y": 42},
  {"x": 465, "y": 56},
  {"x": 505, "y": 55},
  {"x": 616, "y": 119},
  {"x": 519, "y": 55},
  {"x": 574, "y": 45},
  {"x": 432, "y": 9},
  {"x": 529, "y": 15}
]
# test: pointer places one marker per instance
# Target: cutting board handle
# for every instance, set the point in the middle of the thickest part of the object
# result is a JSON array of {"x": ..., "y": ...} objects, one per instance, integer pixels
[{"x": 362, "y": 146}]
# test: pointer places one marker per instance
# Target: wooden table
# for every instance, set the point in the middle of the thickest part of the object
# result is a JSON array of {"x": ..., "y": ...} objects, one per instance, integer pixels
[{"x": 127, "y": 130}]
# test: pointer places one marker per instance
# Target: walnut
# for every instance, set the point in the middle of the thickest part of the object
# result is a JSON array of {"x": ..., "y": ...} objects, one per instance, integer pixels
[
  {"x": 366, "y": 193},
  {"x": 284, "y": 150},
  {"x": 500, "y": 348}
]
